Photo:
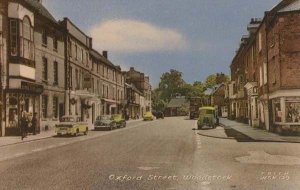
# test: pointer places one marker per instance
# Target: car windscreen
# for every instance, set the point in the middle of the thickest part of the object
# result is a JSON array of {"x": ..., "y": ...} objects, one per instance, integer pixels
[
  {"x": 67, "y": 119},
  {"x": 104, "y": 117},
  {"x": 203, "y": 112},
  {"x": 117, "y": 116}
]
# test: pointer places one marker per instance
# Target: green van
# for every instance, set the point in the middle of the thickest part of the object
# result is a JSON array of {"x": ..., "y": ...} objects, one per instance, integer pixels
[{"x": 207, "y": 117}]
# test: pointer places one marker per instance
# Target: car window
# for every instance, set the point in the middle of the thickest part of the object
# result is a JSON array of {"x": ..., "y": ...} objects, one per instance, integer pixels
[
  {"x": 67, "y": 119},
  {"x": 202, "y": 112}
]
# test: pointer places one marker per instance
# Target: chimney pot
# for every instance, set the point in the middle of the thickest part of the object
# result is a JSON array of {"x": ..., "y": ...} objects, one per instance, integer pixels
[{"x": 105, "y": 54}]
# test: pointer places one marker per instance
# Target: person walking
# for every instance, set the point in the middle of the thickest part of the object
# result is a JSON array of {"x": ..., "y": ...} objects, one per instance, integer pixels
[
  {"x": 34, "y": 123},
  {"x": 23, "y": 125}
]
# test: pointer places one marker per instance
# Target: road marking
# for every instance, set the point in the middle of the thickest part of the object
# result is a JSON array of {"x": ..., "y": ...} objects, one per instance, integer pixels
[
  {"x": 37, "y": 150},
  {"x": 261, "y": 157},
  {"x": 19, "y": 154},
  {"x": 147, "y": 168}
]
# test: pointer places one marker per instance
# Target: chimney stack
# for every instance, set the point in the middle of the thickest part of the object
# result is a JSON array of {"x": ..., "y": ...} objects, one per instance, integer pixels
[{"x": 104, "y": 53}]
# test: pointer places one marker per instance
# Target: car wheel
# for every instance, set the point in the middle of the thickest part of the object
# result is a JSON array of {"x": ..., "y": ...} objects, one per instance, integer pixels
[
  {"x": 199, "y": 127},
  {"x": 124, "y": 124},
  {"x": 76, "y": 134}
]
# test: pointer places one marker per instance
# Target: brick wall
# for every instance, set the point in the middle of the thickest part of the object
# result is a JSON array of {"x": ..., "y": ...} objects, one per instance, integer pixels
[{"x": 284, "y": 52}]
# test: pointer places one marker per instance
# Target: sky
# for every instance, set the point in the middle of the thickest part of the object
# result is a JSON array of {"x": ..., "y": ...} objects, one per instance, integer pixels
[{"x": 196, "y": 37}]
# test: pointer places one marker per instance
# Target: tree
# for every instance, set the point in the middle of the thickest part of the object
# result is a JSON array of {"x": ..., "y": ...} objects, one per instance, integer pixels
[
  {"x": 211, "y": 81},
  {"x": 215, "y": 79},
  {"x": 171, "y": 83}
]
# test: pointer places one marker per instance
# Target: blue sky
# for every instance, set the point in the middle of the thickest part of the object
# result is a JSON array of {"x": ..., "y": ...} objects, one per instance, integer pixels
[{"x": 197, "y": 37}]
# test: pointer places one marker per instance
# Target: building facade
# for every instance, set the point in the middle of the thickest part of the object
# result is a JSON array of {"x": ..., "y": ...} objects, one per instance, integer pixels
[
  {"x": 266, "y": 67},
  {"x": 30, "y": 61},
  {"x": 142, "y": 83}
]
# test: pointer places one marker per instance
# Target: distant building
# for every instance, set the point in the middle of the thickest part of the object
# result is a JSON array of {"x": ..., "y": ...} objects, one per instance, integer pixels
[
  {"x": 142, "y": 83},
  {"x": 178, "y": 106},
  {"x": 218, "y": 100}
]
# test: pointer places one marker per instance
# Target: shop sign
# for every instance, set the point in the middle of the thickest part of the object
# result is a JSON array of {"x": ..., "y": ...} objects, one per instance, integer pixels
[
  {"x": 32, "y": 88},
  {"x": 87, "y": 80}
]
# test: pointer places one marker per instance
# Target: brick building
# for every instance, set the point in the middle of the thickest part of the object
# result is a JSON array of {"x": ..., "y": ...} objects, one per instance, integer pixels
[{"x": 266, "y": 67}]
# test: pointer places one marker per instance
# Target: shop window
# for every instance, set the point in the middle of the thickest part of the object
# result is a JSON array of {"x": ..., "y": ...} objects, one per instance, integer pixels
[
  {"x": 277, "y": 112},
  {"x": 292, "y": 112},
  {"x": 55, "y": 107},
  {"x": 44, "y": 106},
  {"x": 14, "y": 37},
  {"x": 55, "y": 72}
]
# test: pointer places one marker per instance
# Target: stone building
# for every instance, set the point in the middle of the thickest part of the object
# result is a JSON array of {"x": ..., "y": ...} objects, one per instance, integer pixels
[
  {"x": 142, "y": 83},
  {"x": 81, "y": 96},
  {"x": 30, "y": 64},
  {"x": 110, "y": 84}
]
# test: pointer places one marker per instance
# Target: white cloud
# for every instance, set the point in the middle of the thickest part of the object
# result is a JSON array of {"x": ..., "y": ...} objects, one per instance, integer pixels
[{"x": 135, "y": 36}]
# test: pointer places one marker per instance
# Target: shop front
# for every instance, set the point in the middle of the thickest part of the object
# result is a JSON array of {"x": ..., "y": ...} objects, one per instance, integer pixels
[
  {"x": 286, "y": 114},
  {"x": 25, "y": 99}
]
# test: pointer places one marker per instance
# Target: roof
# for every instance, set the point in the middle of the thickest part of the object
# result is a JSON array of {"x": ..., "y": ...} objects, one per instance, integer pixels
[
  {"x": 132, "y": 86},
  {"x": 40, "y": 9},
  {"x": 295, "y": 6},
  {"x": 97, "y": 55},
  {"x": 208, "y": 91},
  {"x": 178, "y": 102},
  {"x": 216, "y": 88}
]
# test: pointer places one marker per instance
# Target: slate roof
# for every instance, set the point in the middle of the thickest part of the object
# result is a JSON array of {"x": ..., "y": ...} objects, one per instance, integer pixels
[
  {"x": 97, "y": 55},
  {"x": 40, "y": 9},
  {"x": 178, "y": 102}
]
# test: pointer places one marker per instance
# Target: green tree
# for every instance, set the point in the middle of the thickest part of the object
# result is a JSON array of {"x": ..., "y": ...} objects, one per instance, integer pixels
[{"x": 171, "y": 83}]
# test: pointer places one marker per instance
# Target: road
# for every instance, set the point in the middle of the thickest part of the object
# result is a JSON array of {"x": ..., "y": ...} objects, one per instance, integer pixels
[{"x": 164, "y": 154}]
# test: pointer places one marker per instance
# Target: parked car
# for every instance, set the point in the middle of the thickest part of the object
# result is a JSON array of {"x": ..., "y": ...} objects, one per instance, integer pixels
[
  {"x": 120, "y": 120},
  {"x": 105, "y": 122},
  {"x": 71, "y": 125},
  {"x": 148, "y": 116},
  {"x": 159, "y": 115},
  {"x": 207, "y": 117}
]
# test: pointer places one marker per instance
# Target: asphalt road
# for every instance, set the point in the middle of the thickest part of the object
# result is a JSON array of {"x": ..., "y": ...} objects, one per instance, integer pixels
[{"x": 162, "y": 154}]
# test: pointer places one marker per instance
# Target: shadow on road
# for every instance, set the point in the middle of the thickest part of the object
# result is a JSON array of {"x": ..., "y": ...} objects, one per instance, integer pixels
[{"x": 237, "y": 135}]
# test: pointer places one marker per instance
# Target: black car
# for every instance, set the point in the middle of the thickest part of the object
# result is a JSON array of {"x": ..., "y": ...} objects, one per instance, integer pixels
[{"x": 159, "y": 115}]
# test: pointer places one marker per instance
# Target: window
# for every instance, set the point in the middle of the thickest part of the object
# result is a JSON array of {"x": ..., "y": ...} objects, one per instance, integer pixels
[
  {"x": 70, "y": 49},
  {"x": 260, "y": 76},
  {"x": 292, "y": 108},
  {"x": 93, "y": 85},
  {"x": 55, "y": 72},
  {"x": 45, "y": 69},
  {"x": 259, "y": 41},
  {"x": 265, "y": 73},
  {"x": 44, "y": 106},
  {"x": 55, "y": 43},
  {"x": 98, "y": 86},
  {"x": 76, "y": 53},
  {"x": 13, "y": 37},
  {"x": 44, "y": 37},
  {"x": 77, "y": 78},
  {"x": 71, "y": 76},
  {"x": 55, "y": 107},
  {"x": 103, "y": 91}
]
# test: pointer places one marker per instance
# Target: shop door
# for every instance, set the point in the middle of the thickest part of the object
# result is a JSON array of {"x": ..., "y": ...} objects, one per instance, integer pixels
[{"x": 61, "y": 111}]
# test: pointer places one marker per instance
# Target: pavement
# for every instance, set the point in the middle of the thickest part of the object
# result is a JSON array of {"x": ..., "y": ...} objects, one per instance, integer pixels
[
  {"x": 257, "y": 134},
  {"x": 166, "y": 154},
  {"x": 6, "y": 141}
]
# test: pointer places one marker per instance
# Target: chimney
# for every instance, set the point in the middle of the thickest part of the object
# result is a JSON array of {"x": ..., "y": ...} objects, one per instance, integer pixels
[
  {"x": 104, "y": 53},
  {"x": 131, "y": 68},
  {"x": 40, "y": 1}
]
